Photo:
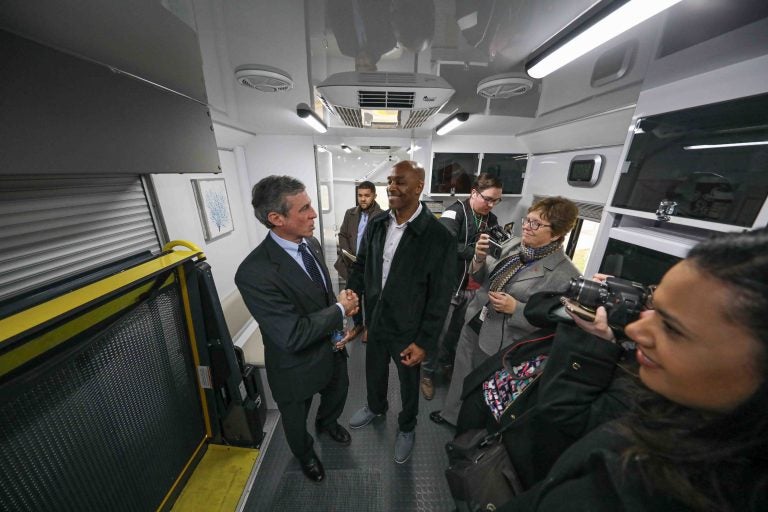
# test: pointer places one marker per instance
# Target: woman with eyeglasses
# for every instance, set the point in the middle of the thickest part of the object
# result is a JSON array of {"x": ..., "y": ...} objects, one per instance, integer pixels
[
  {"x": 494, "y": 318},
  {"x": 697, "y": 436}
]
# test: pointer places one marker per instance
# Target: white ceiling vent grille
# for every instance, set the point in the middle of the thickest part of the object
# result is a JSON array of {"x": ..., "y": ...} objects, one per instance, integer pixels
[
  {"x": 360, "y": 99},
  {"x": 263, "y": 78},
  {"x": 385, "y": 99},
  {"x": 503, "y": 86}
]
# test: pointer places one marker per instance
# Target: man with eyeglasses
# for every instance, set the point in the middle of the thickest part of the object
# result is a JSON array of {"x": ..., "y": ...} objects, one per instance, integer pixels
[{"x": 465, "y": 220}]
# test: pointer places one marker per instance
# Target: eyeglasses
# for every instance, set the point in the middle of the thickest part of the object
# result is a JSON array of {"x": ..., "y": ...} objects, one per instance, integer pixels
[
  {"x": 534, "y": 224},
  {"x": 489, "y": 200}
]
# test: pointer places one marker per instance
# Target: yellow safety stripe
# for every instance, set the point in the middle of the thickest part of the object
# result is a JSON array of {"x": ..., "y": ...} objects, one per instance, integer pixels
[
  {"x": 193, "y": 346},
  {"x": 31, "y": 349},
  {"x": 46, "y": 312}
]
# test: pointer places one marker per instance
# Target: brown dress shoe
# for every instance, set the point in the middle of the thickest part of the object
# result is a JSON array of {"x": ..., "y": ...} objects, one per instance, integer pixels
[
  {"x": 313, "y": 469},
  {"x": 427, "y": 388}
]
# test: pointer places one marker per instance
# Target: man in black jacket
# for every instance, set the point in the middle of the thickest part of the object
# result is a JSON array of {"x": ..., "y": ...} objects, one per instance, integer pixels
[
  {"x": 286, "y": 287},
  {"x": 465, "y": 220},
  {"x": 407, "y": 291}
]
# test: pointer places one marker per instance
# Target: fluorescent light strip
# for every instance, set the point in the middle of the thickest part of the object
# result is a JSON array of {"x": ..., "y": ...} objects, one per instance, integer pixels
[
  {"x": 622, "y": 19},
  {"x": 451, "y": 123},
  {"x": 730, "y": 145},
  {"x": 346, "y": 148},
  {"x": 315, "y": 123}
]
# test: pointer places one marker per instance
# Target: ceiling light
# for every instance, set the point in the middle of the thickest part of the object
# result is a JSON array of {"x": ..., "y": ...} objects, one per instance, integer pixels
[
  {"x": 451, "y": 123},
  {"x": 728, "y": 145},
  {"x": 413, "y": 149},
  {"x": 346, "y": 148},
  {"x": 322, "y": 149},
  {"x": 309, "y": 117},
  {"x": 591, "y": 30}
]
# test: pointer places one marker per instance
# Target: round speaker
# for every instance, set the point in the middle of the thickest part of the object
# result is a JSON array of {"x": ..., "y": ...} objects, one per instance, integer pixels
[
  {"x": 503, "y": 86},
  {"x": 263, "y": 78}
]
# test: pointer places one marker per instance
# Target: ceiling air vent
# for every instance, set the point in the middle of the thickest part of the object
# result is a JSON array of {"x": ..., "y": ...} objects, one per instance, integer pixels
[
  {"x": 384, "y": 100},
  {"x": 263, "y": 78},
  {"x": 503, "y": 86},
  {"x": 380, "y": 150}
]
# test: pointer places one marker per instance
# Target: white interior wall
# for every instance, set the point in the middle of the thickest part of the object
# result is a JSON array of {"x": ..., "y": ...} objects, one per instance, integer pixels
[
  {"x": 177, "y": 203},
  {"x": 547, "y": 176},
  {"x": 291, "y": 155}
]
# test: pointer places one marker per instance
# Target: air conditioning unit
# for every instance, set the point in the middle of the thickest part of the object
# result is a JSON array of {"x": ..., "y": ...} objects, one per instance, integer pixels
[{"x": 384, "y": 100}]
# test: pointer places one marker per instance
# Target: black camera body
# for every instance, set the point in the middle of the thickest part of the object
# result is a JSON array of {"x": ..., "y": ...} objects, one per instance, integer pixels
[
  {"x": 497, "y": 237},
  {"x": 623, "y": 300}
]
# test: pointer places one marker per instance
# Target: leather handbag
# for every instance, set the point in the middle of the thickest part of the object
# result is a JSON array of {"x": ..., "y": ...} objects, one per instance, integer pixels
[{"x": 480, "y": 474}]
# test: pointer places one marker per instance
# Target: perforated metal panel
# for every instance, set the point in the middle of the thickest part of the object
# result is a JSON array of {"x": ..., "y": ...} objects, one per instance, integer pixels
[{"x": 109, "y": 427}]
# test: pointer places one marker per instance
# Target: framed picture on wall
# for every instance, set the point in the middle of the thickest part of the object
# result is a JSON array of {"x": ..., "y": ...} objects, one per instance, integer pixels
[{"x": 213, "y": 205}]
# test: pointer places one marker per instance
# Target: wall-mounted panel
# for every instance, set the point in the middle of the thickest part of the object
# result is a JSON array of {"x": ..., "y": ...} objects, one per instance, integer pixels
[
  {"x": 153, "y": 39},
  {"x": 62, "y": 114}
]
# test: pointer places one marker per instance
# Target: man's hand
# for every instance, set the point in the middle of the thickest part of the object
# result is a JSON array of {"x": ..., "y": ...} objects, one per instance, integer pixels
[
  {"x": 349, "y": 335},
  {"x": 349, "y": 301},
  {"x": 412, "y": 355},
  {"x": 502, "y": 302},
  {"x": 481, "y": 248}
]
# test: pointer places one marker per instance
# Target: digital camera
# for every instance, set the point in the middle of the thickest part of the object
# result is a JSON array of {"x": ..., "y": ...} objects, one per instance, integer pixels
[
  {"x": 496, "y": 236},
  {"x": 623, "y": 300}
]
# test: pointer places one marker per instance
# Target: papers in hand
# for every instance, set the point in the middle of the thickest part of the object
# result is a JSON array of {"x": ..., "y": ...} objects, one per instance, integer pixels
[{"x": 351, "y": 257}]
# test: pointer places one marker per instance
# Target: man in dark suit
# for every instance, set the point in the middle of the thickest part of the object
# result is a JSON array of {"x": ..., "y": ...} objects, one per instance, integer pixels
[
  {"x": 287, "y": 288},
  {"x": 407, "y": 290},
  {"x": 354, "y": 224}
]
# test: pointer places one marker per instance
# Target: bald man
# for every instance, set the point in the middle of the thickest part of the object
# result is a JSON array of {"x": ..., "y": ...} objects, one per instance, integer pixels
[{"x": 407, "y": 291}]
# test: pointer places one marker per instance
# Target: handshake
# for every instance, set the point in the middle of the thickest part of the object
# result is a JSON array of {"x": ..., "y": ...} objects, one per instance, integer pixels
[{"x": 349, "y": 301}]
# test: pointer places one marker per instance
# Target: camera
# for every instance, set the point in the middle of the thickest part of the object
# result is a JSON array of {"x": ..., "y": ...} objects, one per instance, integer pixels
[
  {"x": 496, "y": 236},
  {"x": 623, "y": 300}
]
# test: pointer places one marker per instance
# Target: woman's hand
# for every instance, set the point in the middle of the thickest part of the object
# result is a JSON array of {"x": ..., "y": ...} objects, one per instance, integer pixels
[
  {"x": 598, "y": 327},
  {"x": 502, "y": 302}
]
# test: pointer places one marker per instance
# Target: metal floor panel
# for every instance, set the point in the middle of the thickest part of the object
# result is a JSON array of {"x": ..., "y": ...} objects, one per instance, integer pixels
[{"x": 418, "y": 485}]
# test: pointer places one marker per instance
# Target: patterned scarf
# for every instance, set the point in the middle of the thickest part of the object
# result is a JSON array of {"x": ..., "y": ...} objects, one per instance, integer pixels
[{"x": 506, "y": 268}]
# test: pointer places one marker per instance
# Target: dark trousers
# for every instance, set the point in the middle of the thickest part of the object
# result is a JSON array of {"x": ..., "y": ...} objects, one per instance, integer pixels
[
  {"x": 332, "y": 399},
  {"x": 377, "y": 356}
]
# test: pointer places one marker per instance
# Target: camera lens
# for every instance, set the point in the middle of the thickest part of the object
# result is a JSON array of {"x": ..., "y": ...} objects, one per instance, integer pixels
[{"x": 586, "y": 293}]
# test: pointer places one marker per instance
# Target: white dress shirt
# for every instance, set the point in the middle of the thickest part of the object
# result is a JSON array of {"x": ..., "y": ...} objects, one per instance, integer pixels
[{"x": 394, "y": 234}]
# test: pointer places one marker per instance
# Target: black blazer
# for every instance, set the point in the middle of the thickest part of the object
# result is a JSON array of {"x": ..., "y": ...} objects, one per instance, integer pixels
[
  {"x": 295, "y": 316},
  {"x": 412, "y": 306}
]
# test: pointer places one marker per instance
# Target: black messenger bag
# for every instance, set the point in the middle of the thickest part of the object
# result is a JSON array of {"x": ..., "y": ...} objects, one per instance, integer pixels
[{"x": 480, "y": 474}]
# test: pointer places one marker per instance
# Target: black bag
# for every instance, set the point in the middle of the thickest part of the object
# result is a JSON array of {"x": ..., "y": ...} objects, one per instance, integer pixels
[{"x": 480, "y": 474}]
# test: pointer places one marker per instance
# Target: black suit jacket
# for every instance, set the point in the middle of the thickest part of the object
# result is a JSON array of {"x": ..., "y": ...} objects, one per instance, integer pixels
[
  {"x": 412, "y": 306},
  {"x": 296, "y": 319}
]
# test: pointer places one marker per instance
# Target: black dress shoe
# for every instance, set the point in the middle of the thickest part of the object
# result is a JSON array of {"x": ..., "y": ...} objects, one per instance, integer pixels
[
  {"x": 337, "y": 433},
  {"x": 313, "y": 469},
  {"x": 437, "y": 417}
]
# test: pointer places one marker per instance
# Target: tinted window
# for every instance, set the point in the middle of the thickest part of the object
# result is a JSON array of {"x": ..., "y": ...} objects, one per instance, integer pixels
[
  {"x": 510, "y": 168},
  {"x": 453, "y": 173},
  {"x": 635, "y": 263},
  {"x": 710, "y": 160}
]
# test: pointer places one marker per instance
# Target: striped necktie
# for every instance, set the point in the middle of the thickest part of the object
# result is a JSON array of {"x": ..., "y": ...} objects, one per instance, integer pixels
[{"x": 311, "y": 266}]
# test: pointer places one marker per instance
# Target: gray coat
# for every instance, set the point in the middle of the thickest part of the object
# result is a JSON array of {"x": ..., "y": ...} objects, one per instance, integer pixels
[{"x": 551, "y": 273}]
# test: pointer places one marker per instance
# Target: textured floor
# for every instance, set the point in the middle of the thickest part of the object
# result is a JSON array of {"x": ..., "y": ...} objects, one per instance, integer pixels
[{"x": 418, "y": 485}]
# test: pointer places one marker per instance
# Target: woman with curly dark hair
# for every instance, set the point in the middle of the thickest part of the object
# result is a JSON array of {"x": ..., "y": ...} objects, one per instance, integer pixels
[{"x": 697, "y": 438}]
